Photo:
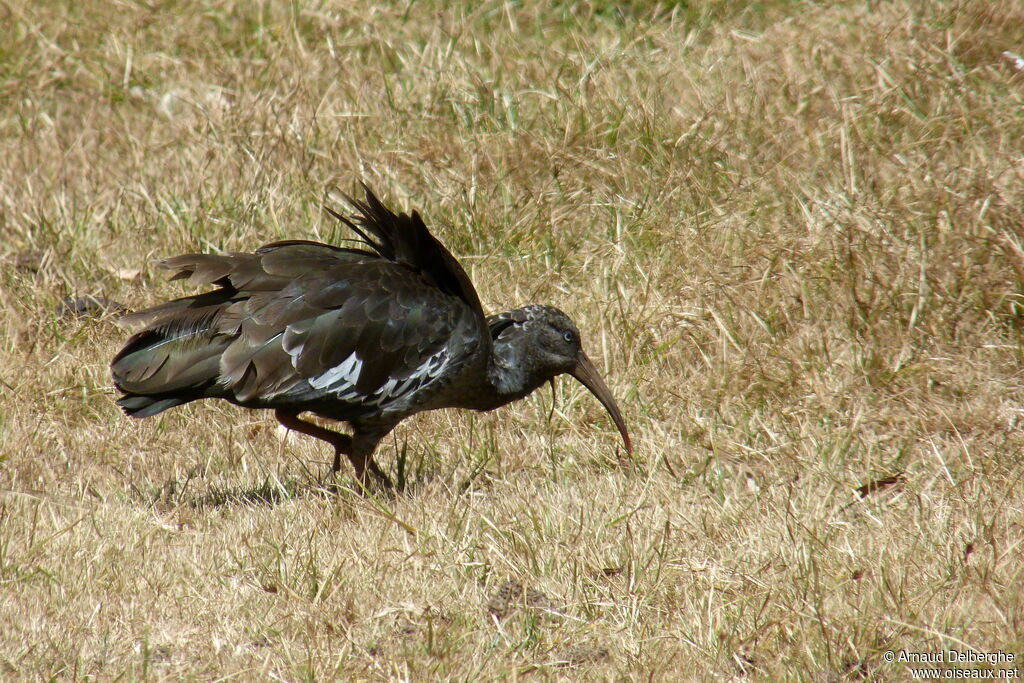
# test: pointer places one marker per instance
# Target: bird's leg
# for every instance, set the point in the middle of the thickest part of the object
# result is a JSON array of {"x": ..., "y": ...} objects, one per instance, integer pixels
[
  {"x": 342, "y": 443},
  {"x": 361, "y": 456},
  {"x": 358, "y": 454}
]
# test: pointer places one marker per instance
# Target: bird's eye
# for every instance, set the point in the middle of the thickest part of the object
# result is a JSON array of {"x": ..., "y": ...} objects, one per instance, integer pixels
[{"x": 568, "y": 336}]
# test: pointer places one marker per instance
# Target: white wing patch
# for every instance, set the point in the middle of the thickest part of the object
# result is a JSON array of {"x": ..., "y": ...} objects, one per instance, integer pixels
[
  {"x": 426, "y": 373},
  {"x": 341, "y": 380},
  {"x": 341, "y": 377}
]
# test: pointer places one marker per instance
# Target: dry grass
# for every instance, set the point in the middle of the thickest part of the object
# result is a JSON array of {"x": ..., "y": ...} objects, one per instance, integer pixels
[{"x": 792, "y": 233}]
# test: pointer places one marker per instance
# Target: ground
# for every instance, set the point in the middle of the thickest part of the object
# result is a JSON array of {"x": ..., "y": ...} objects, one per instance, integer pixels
[{"x": 791, "y": 233}]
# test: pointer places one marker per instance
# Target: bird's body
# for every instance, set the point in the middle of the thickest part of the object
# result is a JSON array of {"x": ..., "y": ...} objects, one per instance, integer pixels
[{"x": 366, "y": 335}]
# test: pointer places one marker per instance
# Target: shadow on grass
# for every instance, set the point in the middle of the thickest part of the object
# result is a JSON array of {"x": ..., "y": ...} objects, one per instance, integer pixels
[
  {"x": 407, "y": 473},
  {"x": 189, "y": 492},
  {"x": 271, "y": 491}
]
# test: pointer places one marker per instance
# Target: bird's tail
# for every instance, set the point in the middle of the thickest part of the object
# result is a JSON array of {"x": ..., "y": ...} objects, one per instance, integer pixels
[
  {"x": 173, "y": 360},
  {"x": 136, "y": 405}
]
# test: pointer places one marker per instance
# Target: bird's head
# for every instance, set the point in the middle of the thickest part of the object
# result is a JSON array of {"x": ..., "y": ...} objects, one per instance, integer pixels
[{"x": 535, "y": 344}]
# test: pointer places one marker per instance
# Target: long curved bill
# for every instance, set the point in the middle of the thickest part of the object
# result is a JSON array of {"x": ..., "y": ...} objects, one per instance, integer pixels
[{"x": 588, "y": 376}]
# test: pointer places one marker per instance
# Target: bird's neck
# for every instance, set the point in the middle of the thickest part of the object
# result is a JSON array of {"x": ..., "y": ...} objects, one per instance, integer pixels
[{"x": 509, "y": 376}]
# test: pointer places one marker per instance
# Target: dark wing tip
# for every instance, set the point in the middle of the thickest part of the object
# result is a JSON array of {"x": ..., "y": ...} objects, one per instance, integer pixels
[
  {"x": 146, "y": 406},
  {"x": 361, "y": 226}
]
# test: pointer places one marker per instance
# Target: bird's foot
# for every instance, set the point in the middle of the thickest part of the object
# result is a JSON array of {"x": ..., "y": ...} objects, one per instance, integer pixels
[
  {"x": 369, "y": 480},
  {"x": 329, "y": 483},
  {"x": 373, "y": 480}
]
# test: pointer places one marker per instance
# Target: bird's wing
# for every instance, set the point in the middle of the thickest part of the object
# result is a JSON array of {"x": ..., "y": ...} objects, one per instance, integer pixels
[
  {"x": 363, "y": 333},
  {"x": 367, "y": 323},
  {"x": 180, "y": 344}
]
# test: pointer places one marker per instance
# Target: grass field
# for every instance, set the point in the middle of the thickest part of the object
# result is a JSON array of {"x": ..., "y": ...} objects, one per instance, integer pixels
[{"x": 792, "y": 234}]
